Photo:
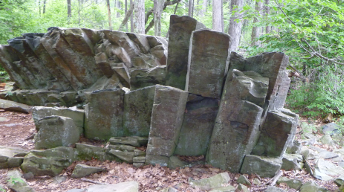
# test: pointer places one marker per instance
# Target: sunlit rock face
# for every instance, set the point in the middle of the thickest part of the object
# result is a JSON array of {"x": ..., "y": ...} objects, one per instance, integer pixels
[{"x": 188, "y": 95}]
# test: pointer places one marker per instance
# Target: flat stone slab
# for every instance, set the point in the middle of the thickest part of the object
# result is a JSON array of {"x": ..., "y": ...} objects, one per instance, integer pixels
[
  {"x": 14, "y": 106},
  {"x": 11, "y": 156},
  {"x": 211, "y": 182}
]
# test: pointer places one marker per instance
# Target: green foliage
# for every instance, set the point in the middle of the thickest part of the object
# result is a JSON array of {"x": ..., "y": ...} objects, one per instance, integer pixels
[
  {"x": 2, "y": 189},
  {"x": 15, "y": 180}
]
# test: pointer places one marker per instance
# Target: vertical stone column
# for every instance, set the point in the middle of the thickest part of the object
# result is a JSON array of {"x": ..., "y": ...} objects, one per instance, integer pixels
[
  {"x": 208, "y": 63},
  {"x": 178, "y": 49},
  {"x": 167, "y": 117},
  {"x": 104, "y": 114},
  {"x": 237, "y": 123}
]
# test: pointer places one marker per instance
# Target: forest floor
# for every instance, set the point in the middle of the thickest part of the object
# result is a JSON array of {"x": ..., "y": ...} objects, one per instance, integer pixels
[{"x": 16, "y": 129}]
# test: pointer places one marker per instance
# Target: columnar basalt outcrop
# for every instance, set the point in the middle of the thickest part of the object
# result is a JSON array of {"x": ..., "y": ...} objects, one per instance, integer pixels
[{"x": 190, "y": 96}]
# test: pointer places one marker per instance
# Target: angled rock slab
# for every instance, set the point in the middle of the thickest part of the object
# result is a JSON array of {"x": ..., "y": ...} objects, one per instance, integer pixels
[
  {"x": 89, "y": 152},
  {"x": 77, "y": 115},
  {"x": 125, "y": 156},
  {"x": 292, "y": 183},
  {"x": 167, "y": 117},
  {"x": 141, "y": 78},
  {"x": 238, "y": 119},
  {"x": 326, "y": 170},
  {"x": 104, "y": 114},
  {"x": 211, "y": 182},
  {"x": 277, "y": 133},
  {"x": 208, "y": 63},
  {"x": 133, "y": 141},
  {"x": 131, "y": 186},
  {"x": 274, "y": 189},
  {"x": 271, "y": 65},
  {"x": 197, "y": 127},
  {"x": 82, "y": 170},
  {"x": 178, "y": 49},
  {"x": 262, "y": 166},
  {"x": 14, "y": 106},
  {"x": 55, "y": 131},
  {"x": 138, "y": 106},
  {"x": 48, "y": 162},
  {"x": 11, "y": 157},
  {"x": 291, "y": 162}
]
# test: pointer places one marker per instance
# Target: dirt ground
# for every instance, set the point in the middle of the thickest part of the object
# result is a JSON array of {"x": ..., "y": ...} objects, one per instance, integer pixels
[{"x": 16, "y": 129}]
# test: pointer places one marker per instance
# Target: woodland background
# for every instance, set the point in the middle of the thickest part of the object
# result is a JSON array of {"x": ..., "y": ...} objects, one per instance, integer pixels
[{"x": 310, "y": 32}]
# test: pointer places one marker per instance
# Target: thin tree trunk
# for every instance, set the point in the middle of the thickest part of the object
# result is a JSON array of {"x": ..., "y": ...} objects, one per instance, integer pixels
[
  {"x": 139, "y": 26},
  {"x": 158, "y": 7},
  {"x": 79, "y": 12},
  {"x": 191, "y": 7},
  {"x": 256, "y": 30},
  {"x": 204, "y": 9},
  {"x": 39, "y": 7},
  {"x": 109, "y": 13},
  {"x": 126, "y": 11},
  {"x": 69, "y": 8},
  {"x": 44, "y": 4},
  {"x": 119, "y": 7},
  {"x": 267, "y": 12},
  {"x": 127, "y": 16},
  {"x": 235, "y": 23},
  {"x": 217, "y": 15},
  {"x": 132, "y": 18}
]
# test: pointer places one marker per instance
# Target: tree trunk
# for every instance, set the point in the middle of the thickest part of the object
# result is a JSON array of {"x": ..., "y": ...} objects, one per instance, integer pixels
[
  {"x": 158, "y": 7},
  {"x": 256, "y": 30},
  {"x": 126, "y": 11},
  {"x": 191, "y": 7},
  {"x": 127, "y": 16},
  {"x": 235, "y": 23},
  {"x": 119, "y": 7},
  {"x": 217, "y": 15},
  {"x": 69, "y": 8},
  {"x": 267, "y": 12},
  {"x": 109, "y": 13},
  {"x": 132, "y": 17},
  {"x": 204, "y": 9},
  {"x": 139, "y": 24},
  {"x": 39, "y": 7}
]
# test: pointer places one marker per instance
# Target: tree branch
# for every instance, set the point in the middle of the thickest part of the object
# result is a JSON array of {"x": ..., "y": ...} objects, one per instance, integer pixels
[{"x": 127, "y": 16}]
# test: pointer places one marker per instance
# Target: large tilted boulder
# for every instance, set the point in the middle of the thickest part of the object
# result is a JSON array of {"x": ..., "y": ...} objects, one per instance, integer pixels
[
  {"x": 238, "y": 119},
  {"x": 48, "y": 162}
]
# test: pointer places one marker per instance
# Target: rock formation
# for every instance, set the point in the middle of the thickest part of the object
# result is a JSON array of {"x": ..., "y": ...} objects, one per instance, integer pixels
[{"x": 189, "y": 96}]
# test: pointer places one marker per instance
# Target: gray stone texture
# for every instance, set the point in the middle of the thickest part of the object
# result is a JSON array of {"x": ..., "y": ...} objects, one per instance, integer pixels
[
  {"x": 82, "y": 170},
  {"x": 130, "y": 186},
  {"x": 262, "y": 166},
  {"x": 11, "y": 157},
  {"x": 48, "y": 162},
  {"x": 197, "y": 127},
  {"x": 180, "y": 32},
  {"x": 207, "y": 60},
  {"x": 238, "y": 119},
  {"x": 277, "y": 132},
  {"x": 167, "y": 118},
  {"x": 212, "y": 182},
  {"x": 55, "y": 131},
  {"x": 138, "y": 106},
  {"x": 77, "y": 115},
  {"x": 141, "y": 78},
  {"x": 104, "y": 114}
]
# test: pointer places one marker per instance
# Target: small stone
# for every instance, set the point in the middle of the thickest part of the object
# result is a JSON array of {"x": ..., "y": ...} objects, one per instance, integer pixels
[
  {"x": 256, "y": 181},
  {"x": 330, "y": 129},
  {"x": 131, "y": 186},
  {"x": 292, "y": 183},
  {"x": 273, "y": 189},
  {"x": 294, "y": 148},
  {"x": 309, "y": 187},
  {"x": 138, "y": 164},
  {"x": 339, "y": 182},
  {"x": 291, "y": 162},
  {"x": 28, "y": 175},
  {"x": 326, "y": 140},
  {"x": 139, "y": 159},
  {"x": 125, "y": 156},
  {"x": 211, "y": 182},
  {"x": 175, "y": 162},
  {"x": 82, "y": 170},
  {"x": 243, "y": 180},
  {"x": 59, "y": 179}
]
